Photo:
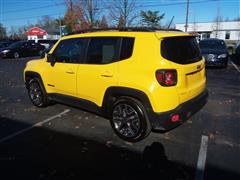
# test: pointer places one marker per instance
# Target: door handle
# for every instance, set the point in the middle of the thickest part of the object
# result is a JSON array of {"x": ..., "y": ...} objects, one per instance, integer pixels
[
  {"x": 107, "y": 74},
  {"x": 70, "y": 71}
]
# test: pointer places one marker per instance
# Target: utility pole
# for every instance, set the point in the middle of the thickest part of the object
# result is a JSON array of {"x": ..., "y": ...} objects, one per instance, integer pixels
[
  {"x": 59, "y": 19},
  {"x": 71, "y": 5},
  {"x": 186, "y": 24},
  {"x": 1, "y": 13}
]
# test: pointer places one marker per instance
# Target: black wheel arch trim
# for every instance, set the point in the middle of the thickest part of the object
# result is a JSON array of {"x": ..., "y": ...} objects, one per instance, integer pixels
[
  {"x": 117, "y": 91},
  {"x": 32, "y": 74}
]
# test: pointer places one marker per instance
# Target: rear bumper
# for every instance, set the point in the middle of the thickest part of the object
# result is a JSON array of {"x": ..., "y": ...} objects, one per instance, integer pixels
[{"x": 163, "y": 122}]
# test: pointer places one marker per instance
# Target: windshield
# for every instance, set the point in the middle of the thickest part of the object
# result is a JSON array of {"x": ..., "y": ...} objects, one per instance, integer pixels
[
  {"x": 211, "y": 44},
  {"x": 16, "y": 44}
]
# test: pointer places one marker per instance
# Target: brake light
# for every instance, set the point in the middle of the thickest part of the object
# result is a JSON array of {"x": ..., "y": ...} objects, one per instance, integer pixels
[
  {"x": 175, "y": 118},
  {"x": 167, "y": 77}
]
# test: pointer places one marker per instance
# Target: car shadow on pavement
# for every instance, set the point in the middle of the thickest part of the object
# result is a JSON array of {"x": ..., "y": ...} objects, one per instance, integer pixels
[{"x": 42, "y": 153}]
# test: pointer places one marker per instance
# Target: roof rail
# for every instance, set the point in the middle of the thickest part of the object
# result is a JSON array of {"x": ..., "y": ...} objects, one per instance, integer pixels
[{"x": 128, "y": 29}]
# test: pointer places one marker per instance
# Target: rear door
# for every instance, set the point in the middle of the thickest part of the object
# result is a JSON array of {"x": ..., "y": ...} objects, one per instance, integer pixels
[
  {"x": 185, "y": 56},
  {"x": 23, "y": 49},
  {"x": 30, "y": 49},
  {"x": 100, "y": 69}
]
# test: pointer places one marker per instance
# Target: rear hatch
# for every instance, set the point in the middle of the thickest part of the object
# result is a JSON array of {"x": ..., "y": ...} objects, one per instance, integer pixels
[{"x": 184, "y": 55}]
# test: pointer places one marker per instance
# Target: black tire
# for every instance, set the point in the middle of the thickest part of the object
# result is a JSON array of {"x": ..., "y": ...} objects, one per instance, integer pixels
[
  {"x": 138, "y": 127},
  {"x": 16, "y": 55},
  {"x": 37, "y": 93}
]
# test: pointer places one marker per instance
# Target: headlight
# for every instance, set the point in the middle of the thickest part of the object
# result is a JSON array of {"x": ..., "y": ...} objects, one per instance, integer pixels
[
  {"x": 222, "y": 56},
  {"x": 5, "y": 51}
]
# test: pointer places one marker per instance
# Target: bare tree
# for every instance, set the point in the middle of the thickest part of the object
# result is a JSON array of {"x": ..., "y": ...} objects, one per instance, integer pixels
[
  {"x": 103, "y": 23},
  {"x": 91, "y": 11},
  {"x": 82, "y": 14},
  {"x": 88, "y": 11},
  {"x": 122, "y": 12},
  {"x": 74, "y": 18},
  {"x": 3, "y": 33},
  {"x": 13, "y": 34},
  {"x": 19, "y": 32},
  {"x": 49, "y": 24}
]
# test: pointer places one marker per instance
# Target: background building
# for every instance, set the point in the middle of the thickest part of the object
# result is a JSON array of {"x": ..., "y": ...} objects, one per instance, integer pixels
[
  {"x": 220, "y": 30},
  {"x": 36, "y": 33}
]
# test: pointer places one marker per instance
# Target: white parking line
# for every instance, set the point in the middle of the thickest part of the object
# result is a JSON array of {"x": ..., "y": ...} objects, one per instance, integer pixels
[
  {"x": 33, "y": 126},
  {"x": 237, "y": 68},
  {"x": 202, "y": 156}
]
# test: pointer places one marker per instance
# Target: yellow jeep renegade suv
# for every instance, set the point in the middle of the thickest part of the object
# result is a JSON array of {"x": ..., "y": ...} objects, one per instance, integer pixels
[{"x": 141, "y": 79}]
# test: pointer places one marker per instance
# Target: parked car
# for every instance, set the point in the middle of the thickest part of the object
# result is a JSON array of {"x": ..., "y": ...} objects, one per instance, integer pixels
[
  {"x": 141, "y": 79},
  {"x": 215, "y": 52},
  {"x": 47, "y": 42},
  {"x": 22, "y": 49}
]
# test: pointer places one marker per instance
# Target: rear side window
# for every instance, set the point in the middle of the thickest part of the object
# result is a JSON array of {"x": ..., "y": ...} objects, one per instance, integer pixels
[
  {"x": 103, "y": 50},
  {"x": 126, "y": 48},
  {"x": 181, "y": 50}
]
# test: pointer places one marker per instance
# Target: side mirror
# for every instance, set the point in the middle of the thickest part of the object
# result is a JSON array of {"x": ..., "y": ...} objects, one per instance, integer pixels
[{"x": 50, "y": 58}]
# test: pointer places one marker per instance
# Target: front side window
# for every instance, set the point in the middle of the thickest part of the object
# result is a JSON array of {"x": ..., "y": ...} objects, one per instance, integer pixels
[
  {"x": 103, "y": 50},
  {"x": 70, "y": 50}
]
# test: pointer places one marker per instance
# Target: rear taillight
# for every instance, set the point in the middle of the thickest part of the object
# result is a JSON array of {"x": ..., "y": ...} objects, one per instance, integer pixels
[{"x": 167, "y": 77}]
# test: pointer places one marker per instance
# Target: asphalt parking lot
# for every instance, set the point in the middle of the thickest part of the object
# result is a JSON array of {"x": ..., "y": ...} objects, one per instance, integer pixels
[{"x": 61, "y": 142}]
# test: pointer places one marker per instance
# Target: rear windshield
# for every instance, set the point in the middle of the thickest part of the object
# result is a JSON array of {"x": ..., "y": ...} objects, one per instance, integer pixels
[
  {"x": 211, "y": 44},
  {"x": 181, "y": 50}
]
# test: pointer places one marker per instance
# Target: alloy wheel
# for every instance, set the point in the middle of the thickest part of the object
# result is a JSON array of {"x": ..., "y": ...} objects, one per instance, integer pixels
[
  {"x": 126, "y": 120},
  {"x": 35, "y": 94},
  {"x": 16, "y": 55}
]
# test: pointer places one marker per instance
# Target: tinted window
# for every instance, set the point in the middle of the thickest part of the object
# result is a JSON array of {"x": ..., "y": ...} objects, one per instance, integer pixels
[
  {"x": 17, "y": 44},
  {"x": 102, "y": 50},
  {"x": 181, "y": 50},
  {"x": 126, "y": 48},
  {"x": 31, "y": 44},
  {"x": 70, "y": 50}
]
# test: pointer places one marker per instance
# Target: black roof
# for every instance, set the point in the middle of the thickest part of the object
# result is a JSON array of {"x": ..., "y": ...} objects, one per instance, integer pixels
[{"x": 126, "y": 29}]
